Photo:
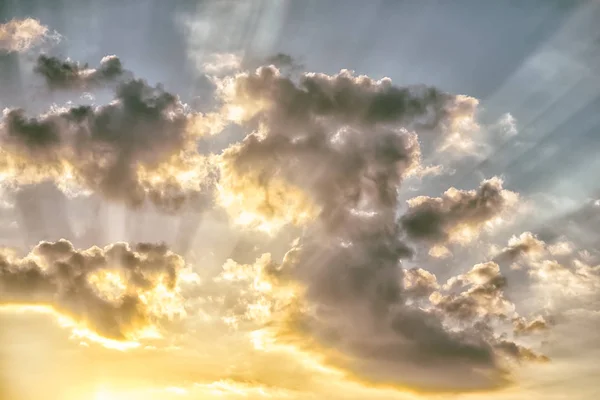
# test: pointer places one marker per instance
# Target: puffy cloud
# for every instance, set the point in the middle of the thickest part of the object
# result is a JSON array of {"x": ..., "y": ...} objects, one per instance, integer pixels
[
  {"x": 336, "y": 149},
  {"x": 527, "y": 244},
  {"x": 553, "y": 276},
  {"x": 281, "y": 60},
  {"x": 439, "y": 251},
  {"x": 344, "y": 99},
  {"x": 386, "y": 324},
  {"x": 477, "y": 299},
  {"x": 116, "y": 292},
  {"x": 68, "y": 74},
  {"x": 558, "y": 282},
  {"x": 344, "y": 140},
  {"x": 220, "y": 64},
  {"x": 139, "y": 147},
  {"x": 518, "y": 352},
  {"x": 20, "y": 35},
  {"x": 252, "y": 293},
  {"x": 459, "y": 215},
  {"x": 419, "y": 282},
  {"x": 523, "y": 326},
  {"x": 325, "y": 152},
  {"x": 482, "y": 298},
  {"x": 561, "y": 248}
]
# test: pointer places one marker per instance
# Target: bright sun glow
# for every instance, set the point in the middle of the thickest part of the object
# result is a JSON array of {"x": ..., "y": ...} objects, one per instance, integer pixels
[
  {"x": 287, "y": 200},
  {"x": 78, "y": 331}
]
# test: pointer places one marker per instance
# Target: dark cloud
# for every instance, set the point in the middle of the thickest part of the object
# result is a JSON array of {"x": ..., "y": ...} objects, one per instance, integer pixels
[
  {"x": 344, "y": 142},
  {"x": 524, "y": 327},
  {"x": 515, "y": 351},
  {"x": 360, "y": 307},
  {"x": 129, "y": 150},
  {"x": 349, "y": 99},
  {"x": 480, "y": 294},
  {"x": 285, "y": 63},
  {"x": 458, "y": 215},
  {"x": 71, "y": 281},
  {"x": 67, "y": 74},
  {"x": 342, "y": 139}
]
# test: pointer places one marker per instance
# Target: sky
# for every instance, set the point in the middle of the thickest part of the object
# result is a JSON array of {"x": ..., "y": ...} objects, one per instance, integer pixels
[{"x": 281, "y": 199}]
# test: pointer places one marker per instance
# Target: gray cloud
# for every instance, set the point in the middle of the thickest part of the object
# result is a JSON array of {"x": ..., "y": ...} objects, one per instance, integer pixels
[
  {"x": 458, "y": 215},
  {"x": 67, "y": 74},
  {"x": 419, "y": 283},
  {"x": 345, "y": 142},
  {"x": 523, "y": 326},
  {"x": 482, "y": 298},
  {"x": 350, "y": 99},
  {"x": 342, "y": 139},
  {"x": 518, "y": 352},
  {"x": 129, "y": 150},
  {"x": 57, "y": 274}
]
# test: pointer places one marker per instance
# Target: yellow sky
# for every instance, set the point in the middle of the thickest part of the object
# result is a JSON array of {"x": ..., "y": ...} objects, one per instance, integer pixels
[{"x": 319, "y": 254}]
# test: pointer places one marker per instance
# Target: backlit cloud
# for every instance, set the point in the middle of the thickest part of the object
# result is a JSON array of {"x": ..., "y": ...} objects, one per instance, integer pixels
[
  {"x": 459, "y": 215},
  {"x": 19, "y": 35},
  {"x": 323, "y": 156},
  {"x": 336, "y": 149},
  {"x": 67, "y": 74},
  {"x": 116, "y": 292},
  {"x": 139, "y": 147}
]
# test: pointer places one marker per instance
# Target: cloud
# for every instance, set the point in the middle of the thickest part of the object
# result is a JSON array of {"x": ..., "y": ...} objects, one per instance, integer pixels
[
  {"x": 139, "y": 147},
  {"x": 458, "y": 216},
  {"x": 527, "y": 244},
  {"x": 285, "y": 62},
  {"x": 344, "y": 140},
  {"x": 328, "y": 154},
  {"x": 477, "y": 299},
  {"x": 347, "y": 98},
  {"x": 220, "y": 64},
  {"x": 506, "y": 126},
  {"x": 337, "y": 148},
  {"x": 117, "y": 292},
  {"x": 68, "y": 74},
  {"x": 551, "y": 278},
  {"x": 519, "y": 352},
  {"x": 438, "y": 251},
  {"x": 523, "y": 326},
  {"x": 482, "y": 298},
  {"x": 419, "y": 282},
  {"x": 21, "y": 35}
]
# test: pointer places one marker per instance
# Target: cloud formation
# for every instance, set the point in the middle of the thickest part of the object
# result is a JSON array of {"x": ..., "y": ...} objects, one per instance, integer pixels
[
  {"x": 459, "y": 215},
  {"x": 339, "y": 147},
  {"x": 482, "y": 298},
  {"x": 344, "y": 140},
  {"x": 113, "y": 291},
  {"x": 19, "y": 35},
  {"x": 139, "y": 147},
  {"x": 67, "y": 74},
  {"x": 326, "y": 153}
]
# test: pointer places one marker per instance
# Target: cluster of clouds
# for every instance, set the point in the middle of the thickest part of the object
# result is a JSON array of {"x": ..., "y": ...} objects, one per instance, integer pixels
[
  {"x": 346, "y": 143},
  {"x": 113, "y": 291},
  {"x": 324, "y": 153},
  {"x": 138, "y": 148}
]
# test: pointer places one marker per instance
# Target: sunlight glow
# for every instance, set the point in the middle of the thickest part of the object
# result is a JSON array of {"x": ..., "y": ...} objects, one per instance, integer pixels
[{"x": 78, "y": 331}]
